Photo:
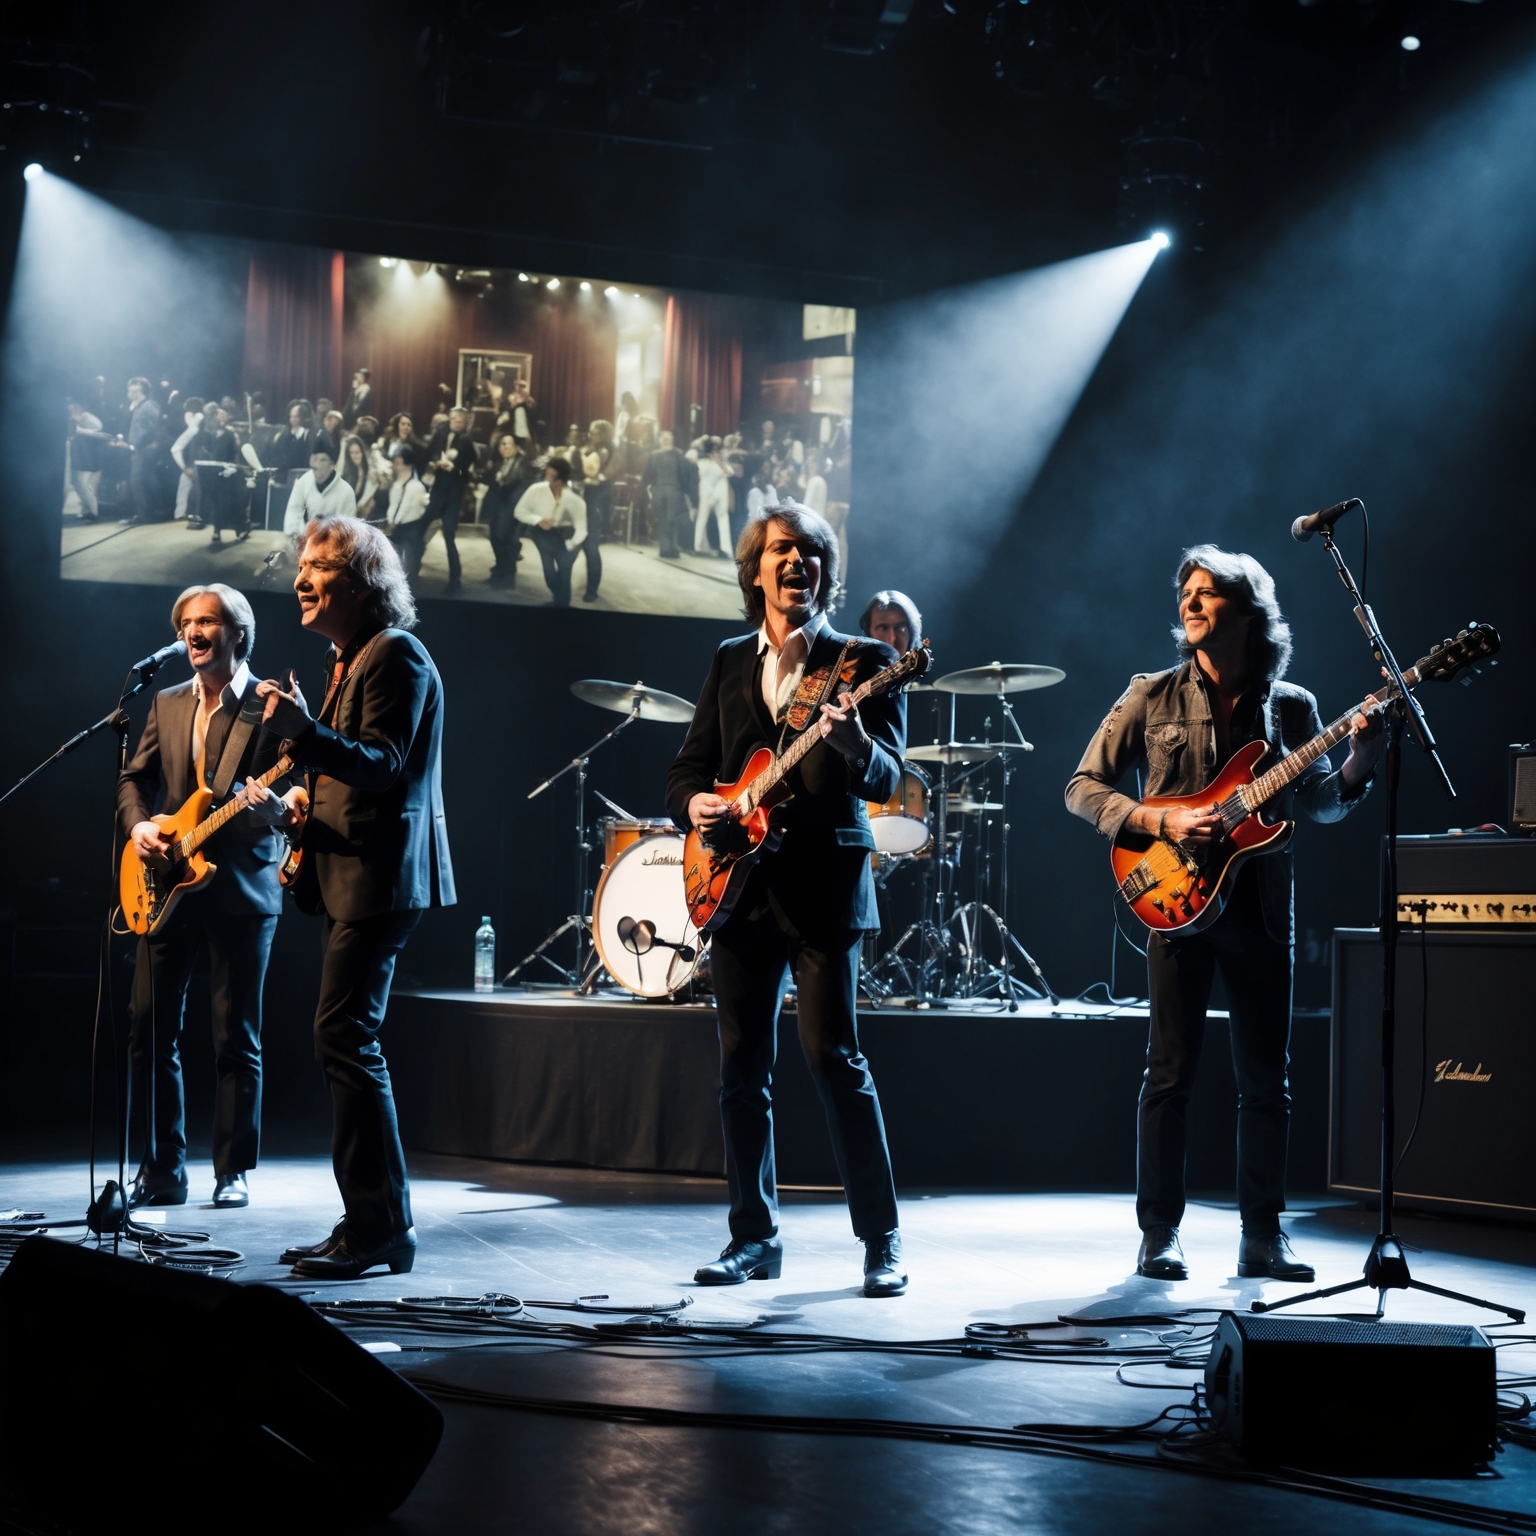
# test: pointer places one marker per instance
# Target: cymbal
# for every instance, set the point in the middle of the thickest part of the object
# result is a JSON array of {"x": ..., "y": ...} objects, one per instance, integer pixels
[
  {"x": 631, "y": 698},
  {"x": 954, "y": 752},
  {"x": 1000, "y": 677},
  {"x": 960, "y": 806}
]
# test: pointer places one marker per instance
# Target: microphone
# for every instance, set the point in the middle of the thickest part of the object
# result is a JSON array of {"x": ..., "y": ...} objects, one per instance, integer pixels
[
  {"x": 153, "y": 663},
  {"x": 1304, "y": 527},
  {"x": 639, "y": 938}
]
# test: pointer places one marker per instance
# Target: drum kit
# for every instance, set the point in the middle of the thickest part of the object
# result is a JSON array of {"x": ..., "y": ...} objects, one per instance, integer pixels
[
  {"x": 942, "y": 819},
  {"x": 942, "y": 811}
]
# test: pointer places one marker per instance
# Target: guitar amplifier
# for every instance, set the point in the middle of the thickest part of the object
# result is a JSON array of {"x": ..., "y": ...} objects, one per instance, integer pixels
[
  {"x": 1522, "y": 787},
  {"x": 1464, "y": 1006},
  {"x": 1467, "y": 881}
]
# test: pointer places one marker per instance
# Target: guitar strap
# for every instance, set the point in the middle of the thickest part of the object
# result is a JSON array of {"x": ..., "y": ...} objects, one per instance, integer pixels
[
  {"x": 247, "y": 722},
  {"x": 814, "y": 691}
]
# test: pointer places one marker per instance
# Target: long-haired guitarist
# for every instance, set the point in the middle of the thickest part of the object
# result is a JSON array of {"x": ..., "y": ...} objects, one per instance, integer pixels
[
  {"x": 806, "y": 903},
  {"x": 206, "y": 733},
  {"x": 1182, "y": 726}
]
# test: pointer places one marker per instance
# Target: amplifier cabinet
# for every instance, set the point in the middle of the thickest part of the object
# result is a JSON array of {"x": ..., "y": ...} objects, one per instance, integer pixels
[
  {"x": 1467, "y": 881},
  {"x": 1471, "y": 1040}
]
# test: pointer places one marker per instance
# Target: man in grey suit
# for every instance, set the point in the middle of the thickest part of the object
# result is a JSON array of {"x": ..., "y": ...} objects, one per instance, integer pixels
[
  {"x": 206, "y": 732},
  {"x": 375, "y": 857}
]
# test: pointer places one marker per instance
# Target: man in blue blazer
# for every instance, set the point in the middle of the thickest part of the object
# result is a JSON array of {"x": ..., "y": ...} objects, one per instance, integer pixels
[{"x": 375, "y": 857}]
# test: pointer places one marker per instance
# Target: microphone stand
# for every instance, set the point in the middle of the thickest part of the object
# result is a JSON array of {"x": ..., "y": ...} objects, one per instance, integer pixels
[
  {"x": 1386, "y": 1266},
  {"x": 579, "y": 919},
  {"x": 107, "y": 1212}
]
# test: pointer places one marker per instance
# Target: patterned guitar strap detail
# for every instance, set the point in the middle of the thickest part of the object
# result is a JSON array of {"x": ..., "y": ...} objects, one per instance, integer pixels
[{"x": 815, "y": 689}]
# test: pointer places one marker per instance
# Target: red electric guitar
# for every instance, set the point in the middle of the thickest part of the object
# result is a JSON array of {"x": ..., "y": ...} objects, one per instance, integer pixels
[
  {"x": 714, "y": 870},
  {"x": 1172, "y": 887}
]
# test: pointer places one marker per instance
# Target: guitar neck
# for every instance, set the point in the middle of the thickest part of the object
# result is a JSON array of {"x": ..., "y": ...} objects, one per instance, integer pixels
[
  {"x": 228, "y": 811},
  {"x": 792, "y": 754},
  {"x": 1291, "y": 767}
]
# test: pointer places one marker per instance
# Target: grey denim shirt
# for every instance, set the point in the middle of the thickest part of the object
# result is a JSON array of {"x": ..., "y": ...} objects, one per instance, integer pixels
[{"x": 1163, "y": 722}]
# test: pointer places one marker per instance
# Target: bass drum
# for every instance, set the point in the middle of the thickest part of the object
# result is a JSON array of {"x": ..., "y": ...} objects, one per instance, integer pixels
[{"x": 639, "y": 915}]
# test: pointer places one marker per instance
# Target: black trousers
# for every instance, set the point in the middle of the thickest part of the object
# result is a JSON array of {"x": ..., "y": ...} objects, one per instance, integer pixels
[
  {"x": 238, "y": 949},
  {"x": 369, "y": 1162},
  {"x": 674, "y": 524},
  {"x": 752, "y": 959},
  {"x": 506, "y": 535},
  {"x": 599, "y": 508},
  {"x": 1256, "y": 971},
  {"x": 444, "y": 501},
  {"x": 411, "y": 542},
  {"x": 559, "y": 559}
]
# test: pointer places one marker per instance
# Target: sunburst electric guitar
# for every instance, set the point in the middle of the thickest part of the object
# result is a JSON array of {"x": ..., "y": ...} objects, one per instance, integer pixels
[
  {"x": 1172, "y": 888},
  {"x": 715, "y": 868},
  {"x": 149, "y": 889}
]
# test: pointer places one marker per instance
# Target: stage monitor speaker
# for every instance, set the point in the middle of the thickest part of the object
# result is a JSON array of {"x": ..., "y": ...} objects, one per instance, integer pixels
[
  {"x": 1468, "y": 1040},
  {"x": 1368, "y": 1398},
  {"x": 253, "y": 1410}
]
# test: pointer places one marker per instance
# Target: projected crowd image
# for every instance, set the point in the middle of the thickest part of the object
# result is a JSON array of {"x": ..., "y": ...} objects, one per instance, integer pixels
[{"x": 524, "y": 437}]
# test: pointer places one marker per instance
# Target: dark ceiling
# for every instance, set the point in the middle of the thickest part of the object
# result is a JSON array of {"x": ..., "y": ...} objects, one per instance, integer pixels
[{"x": 898, "y": 144}]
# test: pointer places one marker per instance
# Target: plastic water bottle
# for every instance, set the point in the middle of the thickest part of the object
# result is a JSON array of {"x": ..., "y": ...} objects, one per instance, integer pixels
[{"x": 485, "y": 957}]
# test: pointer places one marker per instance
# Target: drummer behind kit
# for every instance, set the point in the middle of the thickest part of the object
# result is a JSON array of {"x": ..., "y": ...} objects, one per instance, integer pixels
[{"x": 648, "y": 924}]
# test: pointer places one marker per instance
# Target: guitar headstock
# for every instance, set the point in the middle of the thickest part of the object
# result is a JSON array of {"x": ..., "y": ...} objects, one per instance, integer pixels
[{"x": 1473, "y": 644}]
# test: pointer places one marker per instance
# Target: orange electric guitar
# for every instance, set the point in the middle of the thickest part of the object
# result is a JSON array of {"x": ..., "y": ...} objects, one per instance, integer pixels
[
  {"x": 1174, "y": 888},
  {"x": 716, "y": 868},
  {"x": 150, "y": 889}
]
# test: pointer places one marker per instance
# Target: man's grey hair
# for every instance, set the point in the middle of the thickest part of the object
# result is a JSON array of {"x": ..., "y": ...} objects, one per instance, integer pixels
[{"x": 1242, "y": 579}]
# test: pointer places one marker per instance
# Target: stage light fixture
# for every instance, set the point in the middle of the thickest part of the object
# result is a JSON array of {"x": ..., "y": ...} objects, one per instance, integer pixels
[
  {"x": 1411, "y": 44},
  {"x": 552, "y": 284},
  {"x": 389, "y": 261},
  {"x": 586, "y": 287},
  {"x": 523, "y": 277},
  {"x": 1160, "y": 241},
  {"x": 610, "y": 292},
  {"x": 33, "y": 171}
]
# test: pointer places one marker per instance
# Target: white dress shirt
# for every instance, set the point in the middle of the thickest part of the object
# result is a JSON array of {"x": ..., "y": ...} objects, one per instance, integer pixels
[
  {"x": 783, "y": 668},
  {"x": 308, "y": 500},
  {"x": 231, "y": 696},
  {"x": 538, "y": 505},
  {"x": 407, "y": 501}
]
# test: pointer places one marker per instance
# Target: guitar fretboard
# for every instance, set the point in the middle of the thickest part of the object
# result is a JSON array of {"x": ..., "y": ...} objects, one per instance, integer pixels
[
  {"x": 227, "y": 812},
  {"x": 1269, "y": 784}
]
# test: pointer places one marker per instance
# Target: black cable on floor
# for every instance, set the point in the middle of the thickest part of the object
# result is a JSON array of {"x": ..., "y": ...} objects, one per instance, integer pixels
[{"x": 1078, "y": 1442}]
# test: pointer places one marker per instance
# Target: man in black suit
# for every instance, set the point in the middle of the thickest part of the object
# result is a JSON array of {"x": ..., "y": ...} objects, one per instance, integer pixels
[
  {"x": 672, "y": 480},
  {"x": 805, "y": 906},
  {"x": 375, "y": 857},
  {"x": 207, "y": 732},
  {"x": 360, "y": 401},
  {"x": 451, "y": 456}
]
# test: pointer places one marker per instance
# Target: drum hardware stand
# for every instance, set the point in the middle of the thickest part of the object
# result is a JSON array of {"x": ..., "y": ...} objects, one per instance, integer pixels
[
  {"x": 579, "y": 919},
  {"x": 1386, "y": 1266}
]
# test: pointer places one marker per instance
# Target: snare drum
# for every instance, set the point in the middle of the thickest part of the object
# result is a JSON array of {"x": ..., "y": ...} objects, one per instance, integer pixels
[
  {"x": 640, "y": 921},
  {"x": 900, "y": 825},
  {"x": 620, "y": 833}
]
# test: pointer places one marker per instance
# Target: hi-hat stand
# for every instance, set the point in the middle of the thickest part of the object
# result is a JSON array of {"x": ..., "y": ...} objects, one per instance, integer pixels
[{"x": 1386, "y": 1266}]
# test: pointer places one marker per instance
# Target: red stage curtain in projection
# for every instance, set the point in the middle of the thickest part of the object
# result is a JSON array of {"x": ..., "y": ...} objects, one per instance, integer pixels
[
  {"x": 701, "y": 363},
  {"x": 293, "y": 326}
]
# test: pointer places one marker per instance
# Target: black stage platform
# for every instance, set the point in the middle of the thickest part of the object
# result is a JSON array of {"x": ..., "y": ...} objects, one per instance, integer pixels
[{"x": 974, "y": 1097}]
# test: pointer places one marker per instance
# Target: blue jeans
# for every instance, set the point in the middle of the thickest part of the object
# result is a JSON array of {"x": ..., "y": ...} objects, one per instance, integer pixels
[{"x": 558, "y": 558}]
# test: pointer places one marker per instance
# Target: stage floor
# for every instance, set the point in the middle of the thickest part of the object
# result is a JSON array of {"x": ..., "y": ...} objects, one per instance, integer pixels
[{"x": 546, "y": 1233}]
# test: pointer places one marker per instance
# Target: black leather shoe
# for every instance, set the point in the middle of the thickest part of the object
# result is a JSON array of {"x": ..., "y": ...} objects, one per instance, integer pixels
[
  {"x": 744, "y": 1259},
  {"x": 316, "y": 1250},
  {"x": 230, "y": 1191},
  {"x": 1161, "y": 1257},
  {"x": 347, "y": 1260},
  {"x": 1270, "y": 1258},
  {"x": 149, "y": 1188},
  {"x": 883, "y": 1273}
]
